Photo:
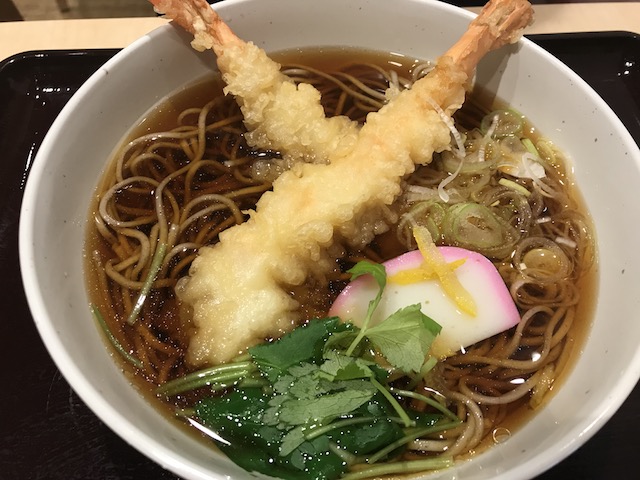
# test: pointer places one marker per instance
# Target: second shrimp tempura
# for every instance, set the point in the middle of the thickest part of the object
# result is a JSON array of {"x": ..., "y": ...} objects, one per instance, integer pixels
[{"x": 237, "y": 288}]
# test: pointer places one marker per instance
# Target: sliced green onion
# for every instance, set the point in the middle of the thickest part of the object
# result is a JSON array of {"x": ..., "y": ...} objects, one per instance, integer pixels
[
  {"x": 427, "y": 213},
  {"x": 531, "y": 148},
  {"x": 113, "y": 340},
  {"x": 473, "y": 225},
  {"x": 505, "y": 182},
  {"x": 508, "y": 123}
]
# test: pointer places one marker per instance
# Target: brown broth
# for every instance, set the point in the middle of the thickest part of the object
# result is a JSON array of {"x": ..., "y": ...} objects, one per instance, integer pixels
[{"x": 163, "y": 118}]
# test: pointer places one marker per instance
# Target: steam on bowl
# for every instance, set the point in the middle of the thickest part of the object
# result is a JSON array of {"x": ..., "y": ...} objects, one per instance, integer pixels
[{"x": 605, "y": 162}]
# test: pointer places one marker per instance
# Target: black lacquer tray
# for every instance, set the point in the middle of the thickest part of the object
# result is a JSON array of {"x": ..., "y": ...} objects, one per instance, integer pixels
[{"x": 46, "y": 431}]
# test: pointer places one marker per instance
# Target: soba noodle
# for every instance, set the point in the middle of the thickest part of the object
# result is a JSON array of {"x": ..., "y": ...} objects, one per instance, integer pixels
[{"x": 200, "y": 177}]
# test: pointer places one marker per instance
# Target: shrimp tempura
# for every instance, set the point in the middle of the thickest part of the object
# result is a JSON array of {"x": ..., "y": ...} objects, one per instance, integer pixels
[
  {"x": 237, "y": 288},
  {"x": 279, "y": 115}
]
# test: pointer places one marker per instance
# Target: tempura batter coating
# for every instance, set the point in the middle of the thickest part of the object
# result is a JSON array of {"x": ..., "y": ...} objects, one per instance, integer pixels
[
  {"x": 237, "y": 288},
  {"x": 279, "y": 115}
]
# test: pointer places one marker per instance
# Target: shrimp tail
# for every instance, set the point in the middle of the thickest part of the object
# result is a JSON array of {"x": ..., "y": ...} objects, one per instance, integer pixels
[
  {"x": 499, "y": 23},
  {"x": 198, "y": 18}
]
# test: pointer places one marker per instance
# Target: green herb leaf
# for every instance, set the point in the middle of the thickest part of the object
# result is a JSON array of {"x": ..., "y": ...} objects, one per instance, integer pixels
[
  {"x": 343, "y": 340},
  {"x": 328, "y": 406},
  {"x": 367, "y": 438},
  {"x": 312, "y": 460},
  {"x": 237, "y": 420},
  {"x": 376, "y": 270},
  {"x": 342, "y": 367},
  {"x": 405, "y": 338},
  {"x": 304, "y": 344},
  {"x": 292, "y": 440},
  {"x": 379, "y": 273},
  {"x": 236, "y": 416}
]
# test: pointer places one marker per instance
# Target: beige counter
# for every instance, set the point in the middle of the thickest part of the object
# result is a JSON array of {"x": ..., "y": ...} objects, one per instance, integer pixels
[{"x": 16, "y": 37}]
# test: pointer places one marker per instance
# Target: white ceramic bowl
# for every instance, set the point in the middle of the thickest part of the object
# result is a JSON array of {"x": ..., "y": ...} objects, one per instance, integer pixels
[{"x": 54, "y": 214}]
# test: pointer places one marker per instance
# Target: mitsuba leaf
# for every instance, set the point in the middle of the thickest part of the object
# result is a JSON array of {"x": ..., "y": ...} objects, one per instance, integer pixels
[
  {"x": 304, "y": 344},
  {"x": 237, "y": 420},
  {"x": 367, "y": 438},
  {"x": 328, "y": 406},
  {"x": 315, "y": 459},
  {"x": 260, "y": 461},
  {"x": 343, "y": 367},
  {"x": 301, "y": 381},
  {"x": 404, "y": 338},
  {"x": 310, "y": 461},
  {"x": 342, "y": 340},
  {"x": 292, "y": 440},
  {"x": 236, "y": 414},
  {"x": 376, "y": 270}
]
